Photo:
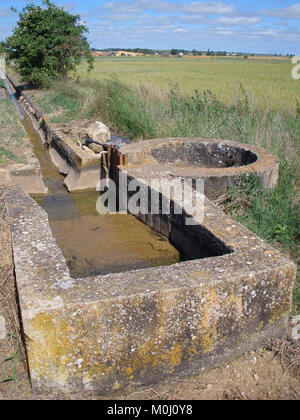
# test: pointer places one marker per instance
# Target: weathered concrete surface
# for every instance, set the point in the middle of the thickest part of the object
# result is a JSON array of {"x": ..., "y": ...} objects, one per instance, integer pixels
[
  {"x": 221, "y": 163},
  {"x": 81, "y": 176},
  {"x": 140, "y": 327},
  {"x": 28, "y": 176},
  {"x": 82, "y": 169}
]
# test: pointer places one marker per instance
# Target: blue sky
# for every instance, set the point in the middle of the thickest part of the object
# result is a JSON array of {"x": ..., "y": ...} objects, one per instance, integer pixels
[{"x": 265, "y": 26}]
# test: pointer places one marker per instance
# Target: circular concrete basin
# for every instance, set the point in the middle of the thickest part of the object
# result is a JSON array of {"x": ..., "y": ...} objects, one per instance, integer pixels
[
  {"x": 221, "y": 163},
  {"x": 203, "y": 154}
]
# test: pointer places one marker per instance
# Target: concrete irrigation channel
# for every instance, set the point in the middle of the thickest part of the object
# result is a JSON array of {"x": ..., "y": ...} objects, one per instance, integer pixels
[{"x": 109, "y": 302}]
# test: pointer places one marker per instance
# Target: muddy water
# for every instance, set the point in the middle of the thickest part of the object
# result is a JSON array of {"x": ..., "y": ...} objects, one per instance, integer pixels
[{"x": 93, "y": 244}]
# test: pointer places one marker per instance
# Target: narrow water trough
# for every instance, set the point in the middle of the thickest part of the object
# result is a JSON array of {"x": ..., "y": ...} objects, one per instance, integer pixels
[
  {"x": 143, "y": 302},
  {"x": 94, "y": 244}
]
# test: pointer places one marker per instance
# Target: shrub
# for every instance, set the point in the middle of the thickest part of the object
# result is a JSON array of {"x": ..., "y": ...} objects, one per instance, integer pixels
[{"x": 48, "y": 42}]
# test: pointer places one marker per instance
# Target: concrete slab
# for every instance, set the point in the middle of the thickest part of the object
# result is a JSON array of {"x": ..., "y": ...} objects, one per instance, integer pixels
[{"x": 26, "y": 176}]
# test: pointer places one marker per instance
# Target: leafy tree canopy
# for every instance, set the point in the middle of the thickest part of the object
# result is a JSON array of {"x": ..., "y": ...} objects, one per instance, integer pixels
[{"x": 48, "y": 42}]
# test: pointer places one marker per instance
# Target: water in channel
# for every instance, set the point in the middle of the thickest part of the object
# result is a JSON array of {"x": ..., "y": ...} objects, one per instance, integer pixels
[{"x": 93, "y": 244}]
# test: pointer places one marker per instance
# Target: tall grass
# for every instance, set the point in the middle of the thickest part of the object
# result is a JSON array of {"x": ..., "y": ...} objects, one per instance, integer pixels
[
  {"x": 11, "y": 134},
  {"x": 139, "y": 113},
  {"x": 273, "y": 215}
]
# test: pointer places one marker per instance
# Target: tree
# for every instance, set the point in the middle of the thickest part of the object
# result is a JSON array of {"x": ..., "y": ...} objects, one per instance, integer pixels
[{"x": 48, "y": 42}]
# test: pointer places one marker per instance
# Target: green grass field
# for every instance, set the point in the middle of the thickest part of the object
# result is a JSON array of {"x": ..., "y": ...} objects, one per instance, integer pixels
[{"x": 268, "y": 82}]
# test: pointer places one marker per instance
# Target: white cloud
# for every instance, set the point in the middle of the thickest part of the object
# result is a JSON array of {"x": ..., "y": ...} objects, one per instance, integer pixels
[
  {"x": 239, "y": 20},
  {"x": 131, "y": 6},
  {"x": 203, "y": 7},
  {"x": 206, "y": 7},
  {"x": 192, "y": 19},
  {"x": 291, "y": 12},
  {"x": 192, "y": 13},
  {"x": 68, "y": 6}
]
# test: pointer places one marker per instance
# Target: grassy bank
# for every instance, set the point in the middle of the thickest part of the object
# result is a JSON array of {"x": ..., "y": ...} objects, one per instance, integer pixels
[
  {"x": 11, "y": 134},
  {"x": 139, "y": 113},
  {"x": 271, "y": 214}
]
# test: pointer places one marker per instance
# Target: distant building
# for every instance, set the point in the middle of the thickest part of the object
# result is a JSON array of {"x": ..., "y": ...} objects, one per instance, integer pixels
[
  {"x": 127, "y": 54},
  {"x": 119, "y": 53},
  {"x": 100, "y": 54}
]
